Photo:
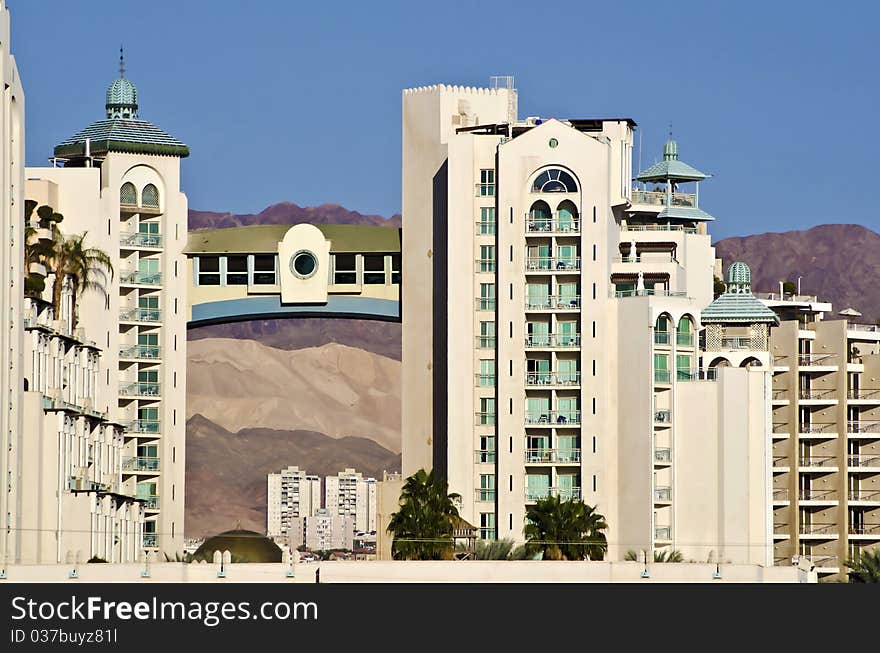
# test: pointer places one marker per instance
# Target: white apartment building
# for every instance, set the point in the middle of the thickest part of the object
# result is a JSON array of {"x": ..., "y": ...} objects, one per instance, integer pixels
[
  {"x": 292, "y": 493},
  {"x": 350, "y": 494},
  {"x": 322, "y": 531},
  {"x": 551, "y": 322},
  {"x": 119, "y": 181}
]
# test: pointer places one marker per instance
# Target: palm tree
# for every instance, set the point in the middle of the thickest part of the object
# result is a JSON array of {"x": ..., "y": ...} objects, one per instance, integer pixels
[
  {"x": 565, "y": 530},
  {"x": 865, "y": 567},
  {"x": 87, "y": 268},
  {"x": 35, "y": 250},
  {"x": 422, "y": 528}
]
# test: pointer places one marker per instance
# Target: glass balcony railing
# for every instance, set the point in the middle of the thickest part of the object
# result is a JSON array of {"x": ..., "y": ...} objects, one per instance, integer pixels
[
  {"x": 707, "y": 374},
  {"x": 663, "y": 416},
  {"x": 143, "y": 426},
  {"x": 865, "y": 529},
  {"x": 151, "y": 502},
  {"x": 552, "y": 455},
  {"x": 827, "y": 427},
  {"x": 817, "y": 461},
  {"x": 548, "y": 226},
  {"x": 485, "y": 380},
  {"x": 660, "y": 227},
  {"x": 485, "y": 494},
  {"x": 662, "y": 337},
  {"x": 141, "y": 278},
  {"x": 485, "y": 303},
  {"x": 485, "y": 455},
  {"x": 140, "y": 315},
  {"x": 140, "y": 352},
  {"x": 151, "y": 540},
  {"x": 484, "y": 265},
  {"x": 818, "y": 529},
  {"x": 141, "y": 389},
  {"x": 662, "y": 494},
  {"x": 485, "y": 228},
  {"x": 780, "y": 494},
  {"x": 817, "y": 394},
  {"x": 564, "y": 493},
  {"x": 808, "y": 360},
  {"x": 662, "y": 533},
  {"x": 138, "y": 239},
  {"x": 552, "y": 378},
  {"x": 558, "y": 418},
  {"x": 658, "y": 198},
  {"x": 141, "y": 464},
  {"x": 553, "y": 302},
  {"x": 485, "y": 342},
  {"x": 551, "y": 264},
  {"x": 662, "y": 376},
  {"x": 485, "y": 418},
  {"x": 536, "y": 341},
  {"x": 684, "y": 339},
  {"x": 817, "y": 495},
  {"x": 663, "y": 455}
]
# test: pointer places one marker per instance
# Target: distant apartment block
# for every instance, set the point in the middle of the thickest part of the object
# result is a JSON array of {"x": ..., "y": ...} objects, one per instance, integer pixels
[
  {"x": 349, "y": 494},
  {"x": 292, "y": 494},
  {"x": 322, "y": 531}
]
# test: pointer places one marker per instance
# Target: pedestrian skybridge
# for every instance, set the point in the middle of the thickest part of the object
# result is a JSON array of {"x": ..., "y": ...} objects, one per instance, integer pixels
[{"x": 277, "y": 271}]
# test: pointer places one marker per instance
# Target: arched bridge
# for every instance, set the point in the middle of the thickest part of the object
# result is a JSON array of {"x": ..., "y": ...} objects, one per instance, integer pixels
[{"x": 304, "y": 270}]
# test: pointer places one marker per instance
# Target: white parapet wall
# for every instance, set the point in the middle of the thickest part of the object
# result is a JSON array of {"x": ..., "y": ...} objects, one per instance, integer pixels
[{"x": 374, "y": 571}]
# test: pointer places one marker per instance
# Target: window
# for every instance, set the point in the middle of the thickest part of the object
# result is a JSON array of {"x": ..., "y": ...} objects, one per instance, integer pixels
[
  {"x": 148, "y": 271},
  {"x": 487, "y": 525},
  {"x": 395, "y": 269},
  {"x": 683, "y": 366},
  {"x": 209, "y": 270},
  {"x": 661, "y": 368},
  {"x": 487, "y": 335},
  {"x": 487, "y": 411},
  {"x": 684, "y": 337},
  {"x": 554, "y": 181},
  {"x": 374, "y": 268},
  {"x": 264, "y": 269},
  {"x": 486, "y": 225},
  {"x": 236, "y": 271},
  {"x": 487, "y": 449},
  {"x": 344, "y": 268},
  {"x": 487, "y": 259},
  {"x": 487, "y": 297},
  {"x": 487, "y": 488},
  {"x": 487, "y": 373},
  {"x": 486, "y": 187},
  {"x": 150, "y": 196},
  {"x": 128, "y": 195}
]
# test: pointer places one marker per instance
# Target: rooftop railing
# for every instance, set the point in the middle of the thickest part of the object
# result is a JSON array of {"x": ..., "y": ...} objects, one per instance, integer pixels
[
  {"x": 788, "y": 297},
  {"x": 660, "y": 227},
  {"x": 872, "y": 328},
  {"x": 658, "y": 198},
  {"x": 648, "y": 292}
]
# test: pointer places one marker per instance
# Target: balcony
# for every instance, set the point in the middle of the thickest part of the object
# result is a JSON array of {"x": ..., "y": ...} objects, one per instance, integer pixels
[
  {"x": 552, "y": 456},
  {"x": 553, "y": 418},
  {"x": 822, "y": 430},
  {"x": 780, "y": 463},
  {"x": 140, "y": 352},
  {"x": 662, "y": 338},
  {"x": 780, "y": 496},
  {"x": 141, "y": 464},
  {"x": 780, "y": 532},
  {"x": 553, "y": 303},
  {"x": 553, "y": 340},
  {"x": 824, "y": 531},
  {"x": 137, "y": 278},
  {"x": 865, "y": 496},
  {"x": 663, "y": 533},
  {"x": 684, "y": 339},
  {"x": 564, "y": 493},
  {"x": 863, "y": 461},
  {"x": 864, "y": 394},
  {"x": 137, "y": 240},
  {"x": 141, "y": 389},
  {"x": 659, "y": 227},
  {"x": 780, "y": 396},
  {"x": 871, "y": 530},
  {"x": 658, "y": 198},
  {"x": 662, "y": 376},
  {"x": 818, "y": 396},
  {"x": 140, "y": 315},
  {"x": 484, "y": 456},
  {"x": 818, "y": 463},
  {"x": 663, "y": 416},
  {"x": 547, "y": 226},
  {"x": 663, "y": 455},
  {"x": 663, "y": 494},
  {"x": 860, "y": 427},
  {"x": 143, "y": 426},
  {"x": 485, "y": 190},
  {"x": 546, "y": 265},
  {"x": 539, "y": 379},
  {"x": 651, "y": 258},
  {"x": 818, "y": 496},
  {"x": 817, "y": 360},
  {"x": 780, "y": 430},
  {"x": 151, "y": 540}
]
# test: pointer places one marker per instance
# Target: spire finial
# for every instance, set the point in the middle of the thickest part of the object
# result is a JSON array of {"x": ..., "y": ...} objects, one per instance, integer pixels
[
  {"x": 670, "y": 130},
  {"x": 121, "y": 62}
]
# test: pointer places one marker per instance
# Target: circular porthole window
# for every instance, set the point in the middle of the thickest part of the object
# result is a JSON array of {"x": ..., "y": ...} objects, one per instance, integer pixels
[
  {"x": 304, "y": 264},
  {"x": 553, "y": 142}
]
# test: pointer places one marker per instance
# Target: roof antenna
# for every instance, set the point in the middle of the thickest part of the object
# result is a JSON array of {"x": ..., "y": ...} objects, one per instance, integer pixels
[{"x": 121, "y": 63}]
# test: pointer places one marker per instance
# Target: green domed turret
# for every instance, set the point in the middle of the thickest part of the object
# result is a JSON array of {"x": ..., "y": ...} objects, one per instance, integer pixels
[
  {"x": 121, "y": 99},
  {"x": 739, "y": 278}
]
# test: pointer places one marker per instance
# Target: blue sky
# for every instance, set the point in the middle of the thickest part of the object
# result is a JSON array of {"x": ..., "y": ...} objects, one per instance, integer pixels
[{"x": 300, "y": 101}]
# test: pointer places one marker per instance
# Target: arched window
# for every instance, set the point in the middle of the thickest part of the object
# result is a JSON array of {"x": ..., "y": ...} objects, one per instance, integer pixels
[
  {"x": 719, "y": 362},
  {"x": 150, "y": 196},
  {"x": 568, "y": 216},
  {"x": 128, "y": 194},
  {"x": 751, "y": 362},
  {"x": 661, "y": 330},
  {"x": 539, "y": 217},
  {"x": 554, "y": 181},
  {"x": 685, "y": 334}
]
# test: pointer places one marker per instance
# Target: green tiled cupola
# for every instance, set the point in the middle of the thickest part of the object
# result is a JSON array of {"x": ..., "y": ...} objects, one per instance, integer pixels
[{"x": 122, "y": 98}]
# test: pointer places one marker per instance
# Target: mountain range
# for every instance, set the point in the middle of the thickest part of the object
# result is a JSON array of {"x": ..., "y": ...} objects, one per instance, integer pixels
[{"x": 288, "y": 213}]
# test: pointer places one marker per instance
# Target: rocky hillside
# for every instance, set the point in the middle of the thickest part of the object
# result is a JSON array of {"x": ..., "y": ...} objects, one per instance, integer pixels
[
  {"x": 226, "y": 471},
  {"x": 288, "y": 213},
  {"x": 838, "y": 262}
]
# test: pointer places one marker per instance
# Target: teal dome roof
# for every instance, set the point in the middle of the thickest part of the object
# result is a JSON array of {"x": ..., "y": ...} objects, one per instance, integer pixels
[
  {"x": 739, "y": 273},
  {"x": 121, "y": 99}
]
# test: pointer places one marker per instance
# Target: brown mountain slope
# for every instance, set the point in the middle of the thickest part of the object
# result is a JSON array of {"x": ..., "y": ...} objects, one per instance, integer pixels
[
  {"x": 226, "y": 472},
  {"x": 838, "y": 262},
  {"x": 288, "y": 213},
  {"x": 381, "y": 338}
]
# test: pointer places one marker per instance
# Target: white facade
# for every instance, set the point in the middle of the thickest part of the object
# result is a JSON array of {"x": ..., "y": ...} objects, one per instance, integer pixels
[
  {"x": 291, "y": 494},
  {"x": 550, "y": 312},
  {"x": 350, "y": 494},
  {"x": 322, "y": 531}
]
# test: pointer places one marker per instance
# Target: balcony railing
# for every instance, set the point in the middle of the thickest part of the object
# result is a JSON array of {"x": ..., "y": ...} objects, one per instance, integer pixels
[
  {"x": 552, "y": 378},
  {"x": 485, "y": 303},
  {"x": 663, "y": 416},
  {"x": 483, "y": 494},
  {"x": 547, "y": 226},
  {"x": 141, "y": 278},
  {"x": 485, "y": 342},
  {"x": 485, "y": 190},
  {"x": 780, "y": 394},
  {"x": 816, "y": 394},
  {"x": 486, "y": 228},
  {"x": 485, "y": 418},
  {"x": 553, "y": 455},
  {"x": 658, "y": 258},
  {"x": 484, "y": 265},
  {"x": 660, "y": 227},
  {"x": 141, "y": 389},
  {"x": 822, "y": 561},
  {"x": 558, "y": 418},
  {"x": 151, "y": 540},
  {"x": 864, "y": 495},
  {"x": 141, "y": 464},
  {"x": 140, "y": 352},
  {"x": 865, "y": 529},
  {"x": 696, "y": 374},
  {"x": 862, "y": 426},
  {"x": 780, "y": 461},
  {"x": 808, "y": 360},
  {"x": 872, "y": 328},
  {"x": 864, "y": 393},
  {"x": 817, "y": 461},
  {"x": 658, "y": 198},
  {"x": 817, "y": 495},
  {"x": 736, "y": 342},
  {"x": 662, "y": 337},
  {"x": 646, "y": 292},
  {"x": 485, "y": 380},
  {"x": 143, "y": 426},
  {"x": 140, "y": 315},
  {"x": 662, "y": 494},
  {"x": 826, "y": 427},
  {"x": 564, "y": 493},
  {"x": 553, "y": 302},
  {"x": 551, "y": 264},
  {"x": 536, "y": 341},
  {"x": 484, "y": 455},
  {"x": 662, "y": 533},
  {"x": 780, "y": 494},
  {"x": 780, "y": 427},
  {"x": 663, "y": 455},
  {"x": 863, "y": 460},
  {"x": 684, "y": 339},
  {"x": 138, "y": 239},
  {"x": 817, "y": 529}
]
